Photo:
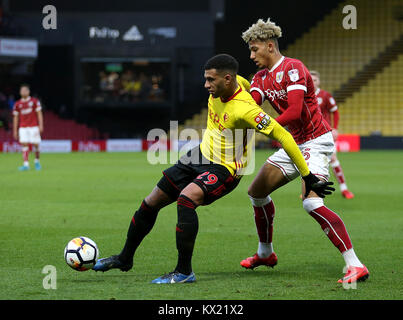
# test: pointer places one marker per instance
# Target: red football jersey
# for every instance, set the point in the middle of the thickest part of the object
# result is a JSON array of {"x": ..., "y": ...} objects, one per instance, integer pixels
[
  {"x": 26, "y": 111},
  {"x": 327, "y": 105},
  {"x": 273, "y": 85}
]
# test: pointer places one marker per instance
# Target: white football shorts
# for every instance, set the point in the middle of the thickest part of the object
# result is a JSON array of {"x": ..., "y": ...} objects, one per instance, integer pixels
[
  {"x": 29, "y": 135},
  {"x": 317, "y": 153}
]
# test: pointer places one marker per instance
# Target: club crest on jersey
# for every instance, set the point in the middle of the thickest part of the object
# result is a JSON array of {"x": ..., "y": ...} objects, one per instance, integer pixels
[
  {"x": 226, "y": 117},
  {"x": 279, "y": 76},
  {"x": 294, "y": 75}
]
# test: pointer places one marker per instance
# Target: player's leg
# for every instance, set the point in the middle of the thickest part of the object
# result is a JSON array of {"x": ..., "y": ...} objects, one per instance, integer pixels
[
  {"x": 338, "y": 173},
  {"x": 25, "y": 157},
  {"x": 275, "y": 173},
  {"x": 141, "y": 224},
  {"x": 24, "y": 140},
  {"x": 330, "y": 222},
  {"x": 212, "y": 183},
  {"x": 36, "y": 151}
]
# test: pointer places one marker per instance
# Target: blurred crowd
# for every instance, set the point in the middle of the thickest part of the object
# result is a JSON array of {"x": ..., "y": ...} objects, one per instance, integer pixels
[
  {"x": 127, "y": 87},
  {"x": 6, "y": 107}
]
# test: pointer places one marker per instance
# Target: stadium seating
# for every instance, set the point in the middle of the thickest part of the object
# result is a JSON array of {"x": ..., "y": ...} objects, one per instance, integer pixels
[
  {"x": 58, "y": 128},
  {"x": 338, "y": 54},
  {"x": 378, "y": 107},
  {"x": 361, "y": 67}
]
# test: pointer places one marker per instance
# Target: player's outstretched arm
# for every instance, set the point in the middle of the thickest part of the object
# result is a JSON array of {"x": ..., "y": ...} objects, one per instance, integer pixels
[{"x": 312, "y": 183}]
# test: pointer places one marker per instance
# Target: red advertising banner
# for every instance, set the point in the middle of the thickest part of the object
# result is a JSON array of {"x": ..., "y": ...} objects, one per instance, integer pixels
[{"x": 348, "y": 143}]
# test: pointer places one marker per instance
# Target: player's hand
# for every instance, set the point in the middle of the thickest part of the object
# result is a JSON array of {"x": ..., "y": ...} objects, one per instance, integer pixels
[
  {"x": 40, "y": 129},
  {"x": 335, "y": 134},
  {"x": 15, "y": 135},
  {"x": 321, "y": 188}
]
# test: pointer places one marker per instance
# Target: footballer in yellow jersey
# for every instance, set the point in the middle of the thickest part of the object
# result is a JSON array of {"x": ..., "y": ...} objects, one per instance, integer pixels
[
  {"x": 200, "y": 178},
  {"x": 239, "y": 113}
]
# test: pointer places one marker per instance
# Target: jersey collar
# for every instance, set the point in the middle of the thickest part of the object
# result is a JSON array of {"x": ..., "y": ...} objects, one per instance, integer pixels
[
  {"x": 27, "y": 99},
  {"x": 233, "y": 96},
  {"x": 277, "y": 64},
  {"x": 317, "y": 91}
]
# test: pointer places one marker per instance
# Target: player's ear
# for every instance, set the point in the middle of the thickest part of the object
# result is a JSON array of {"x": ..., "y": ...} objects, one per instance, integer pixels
[{"x": 228, "y": 78}]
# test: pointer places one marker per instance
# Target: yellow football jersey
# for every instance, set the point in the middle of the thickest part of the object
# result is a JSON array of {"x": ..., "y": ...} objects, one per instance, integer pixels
[{"x": 227, "y": 140}]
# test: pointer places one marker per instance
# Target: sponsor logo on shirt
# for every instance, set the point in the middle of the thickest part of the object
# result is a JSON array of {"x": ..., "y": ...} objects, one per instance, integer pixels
[
  {"x": 294, "y": 75},
  {"x": 279, "y": 76},
  {"x": 276, "y": 94},
  {"x": 26, "y": 111}
]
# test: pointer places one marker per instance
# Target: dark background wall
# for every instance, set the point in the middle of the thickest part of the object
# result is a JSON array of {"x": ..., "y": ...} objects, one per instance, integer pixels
[{"x": 203, "y": 29}]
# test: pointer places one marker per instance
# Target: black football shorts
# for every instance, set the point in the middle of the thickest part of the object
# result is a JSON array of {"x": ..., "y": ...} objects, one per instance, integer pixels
[{"x": 214, "y": 179}]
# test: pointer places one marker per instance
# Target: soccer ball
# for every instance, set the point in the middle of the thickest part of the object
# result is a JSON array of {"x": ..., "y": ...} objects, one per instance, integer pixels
[{"x": 81, "y": 253}]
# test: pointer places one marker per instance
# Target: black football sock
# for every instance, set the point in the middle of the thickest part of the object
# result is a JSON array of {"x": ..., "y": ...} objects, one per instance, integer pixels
[
  {"x": 140, "y": 225},
  {"x": 186, "y": 232}
]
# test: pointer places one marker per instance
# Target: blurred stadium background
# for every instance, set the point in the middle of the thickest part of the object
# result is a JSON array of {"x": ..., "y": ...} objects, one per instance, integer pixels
[{"x": 116, "y": 69}]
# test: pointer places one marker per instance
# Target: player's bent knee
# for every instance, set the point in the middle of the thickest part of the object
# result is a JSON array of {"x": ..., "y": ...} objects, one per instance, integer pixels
[
  {"x": 311, "y": 204},
  {"x": 194, "y": 193},
  {"x": 158, "y": 199}
]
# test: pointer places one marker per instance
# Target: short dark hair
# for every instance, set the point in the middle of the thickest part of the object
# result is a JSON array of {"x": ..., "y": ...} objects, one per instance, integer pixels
[
  {"x": 26, "y": 85},
  {"x": 222, "y": 62}
]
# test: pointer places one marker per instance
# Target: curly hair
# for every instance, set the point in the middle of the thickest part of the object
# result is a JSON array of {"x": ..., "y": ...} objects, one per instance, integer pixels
[{"x": 262, "y": 30}]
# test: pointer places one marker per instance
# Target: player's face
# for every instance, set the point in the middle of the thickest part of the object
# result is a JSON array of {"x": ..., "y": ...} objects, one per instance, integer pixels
[
  {"x": 24, "y": 92},
  {"x": 260, "y": 52},
  {"x": 215, "y": 83},
  {"x": 316, "y": 81}
]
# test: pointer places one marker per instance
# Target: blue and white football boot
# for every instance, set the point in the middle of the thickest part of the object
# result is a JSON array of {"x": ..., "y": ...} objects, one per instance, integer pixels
[
  {"x": 38, "y": 166},
  {"x": 112, "y": 262},
  {"x": 175, "y": 277}
]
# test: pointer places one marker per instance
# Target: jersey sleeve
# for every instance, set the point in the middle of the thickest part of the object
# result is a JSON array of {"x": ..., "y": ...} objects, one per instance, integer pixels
[
  {"x": 332, "y": 106},
  {"x": 295, "y": 77},
  {"x": 256, "y": 85},
  {"x": 38, "y": 106},
  {"x": 252, "y": 116},
  {"x": 15, "y": 110}
]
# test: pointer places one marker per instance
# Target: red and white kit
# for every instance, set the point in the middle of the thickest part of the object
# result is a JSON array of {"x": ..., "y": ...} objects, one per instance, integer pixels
[
  {"x": 328, "y": 107},
  {"x": 285, "y": 86},
  {"x": 28, "y": 130}
]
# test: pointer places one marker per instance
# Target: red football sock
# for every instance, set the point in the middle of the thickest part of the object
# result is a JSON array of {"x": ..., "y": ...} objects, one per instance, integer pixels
[
  {"x": 333, "y": 226},
  {"x": 338, "y": 172},
  {"x": 264, "y": 216},
  {"x": 25, "y": 153}
]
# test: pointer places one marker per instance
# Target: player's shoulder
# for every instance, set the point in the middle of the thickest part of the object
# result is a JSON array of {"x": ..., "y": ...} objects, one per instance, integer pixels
[
  {"x": 245, "y": 85},
  {"x": 261, "y": 74},
  {"x": 292, "y": 63},
  {"x": 325, "y": 93}
]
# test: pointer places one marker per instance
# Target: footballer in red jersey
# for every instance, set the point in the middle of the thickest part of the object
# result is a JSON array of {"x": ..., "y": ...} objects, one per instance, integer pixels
[
  {"x": 28, "y": 125},
  {"x": 288, "y": 86},
  {"x": 330, "y": 112}
]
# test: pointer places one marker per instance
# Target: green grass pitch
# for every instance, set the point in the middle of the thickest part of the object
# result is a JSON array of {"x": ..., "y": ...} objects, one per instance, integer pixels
[{"x": 96, "y": 194}]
